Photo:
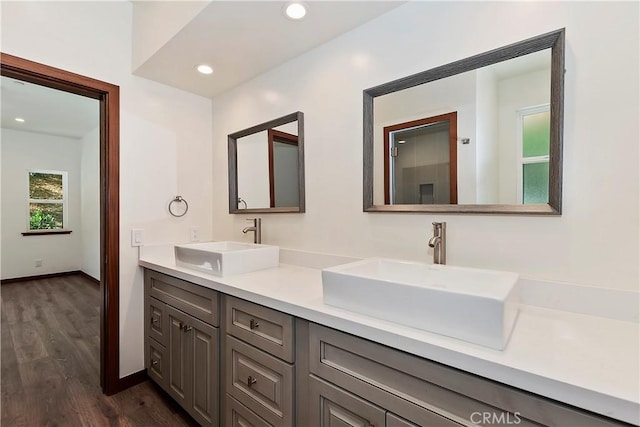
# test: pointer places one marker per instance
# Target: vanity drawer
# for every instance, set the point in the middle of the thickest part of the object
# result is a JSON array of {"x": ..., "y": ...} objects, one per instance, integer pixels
[
  {"x": 418, "y": 389},
  {"x": 238, "y": 415},
  {"x": 429, "y": 420},
  {"x": 157, "y": 362},
  {"x": 195, "y": 300},
  {"x": 259, "y": 381},
  {"x": 156, "y": 320},
  {"x": 267, "y": 329},
  {"x": 331, "y": 406}
]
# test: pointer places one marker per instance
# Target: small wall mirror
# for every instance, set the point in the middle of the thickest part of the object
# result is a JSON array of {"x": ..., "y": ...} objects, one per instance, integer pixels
[
  {"x": 480, "y": 135},
  {"x": 266, "y": 167}
]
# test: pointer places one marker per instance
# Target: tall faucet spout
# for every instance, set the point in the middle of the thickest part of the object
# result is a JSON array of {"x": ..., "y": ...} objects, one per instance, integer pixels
[
  {"x": 439, "y": 242},
  {"x": 257, "y": 230}
]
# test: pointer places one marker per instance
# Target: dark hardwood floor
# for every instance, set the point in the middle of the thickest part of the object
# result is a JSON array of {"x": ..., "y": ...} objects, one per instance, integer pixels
[{"x": 50, "y": 362}]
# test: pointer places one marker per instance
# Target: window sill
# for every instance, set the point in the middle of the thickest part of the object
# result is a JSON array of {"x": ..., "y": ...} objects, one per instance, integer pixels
[{"x": 45, "y": 232}]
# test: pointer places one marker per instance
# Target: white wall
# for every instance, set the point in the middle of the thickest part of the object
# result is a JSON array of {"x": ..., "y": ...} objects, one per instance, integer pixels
[
  {"x": 486, "y": 138},
  {"x": 90, "y": 203},
  {"x": 21, "y": 152},
  {"x": 594, "y": 242},
  {"x": 165, "y": 134}
]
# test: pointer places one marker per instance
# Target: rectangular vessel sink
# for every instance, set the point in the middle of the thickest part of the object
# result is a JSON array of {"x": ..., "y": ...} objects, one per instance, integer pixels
[
  {"x": 474, "y": 305},
  {"x": 226, "y": 258}
]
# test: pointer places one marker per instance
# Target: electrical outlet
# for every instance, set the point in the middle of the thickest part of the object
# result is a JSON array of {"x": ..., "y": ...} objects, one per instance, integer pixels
[
  {"x": 194, "y": 234},
  {"x": 38, "y": 263},
  {"x": 137, "y": 238}
]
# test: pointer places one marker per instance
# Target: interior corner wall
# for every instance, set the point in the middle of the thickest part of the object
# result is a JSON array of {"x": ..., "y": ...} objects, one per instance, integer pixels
[
  {"x": 22, "y": 151},
  {"x": 90, "y": 203},
  {"x": 165, "y": 135},
  {"x": 601, "y": 179}
]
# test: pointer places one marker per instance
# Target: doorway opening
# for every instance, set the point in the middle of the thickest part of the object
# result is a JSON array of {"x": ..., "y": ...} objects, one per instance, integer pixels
[{"x": 108, "y": 95}]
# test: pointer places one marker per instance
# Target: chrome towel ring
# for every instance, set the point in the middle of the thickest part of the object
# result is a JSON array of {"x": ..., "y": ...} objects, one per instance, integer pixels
[{"x": 178, "y": 207}]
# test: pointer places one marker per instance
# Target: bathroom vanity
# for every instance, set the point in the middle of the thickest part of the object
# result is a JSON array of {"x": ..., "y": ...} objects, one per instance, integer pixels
[{"x": 286, "y": 358}]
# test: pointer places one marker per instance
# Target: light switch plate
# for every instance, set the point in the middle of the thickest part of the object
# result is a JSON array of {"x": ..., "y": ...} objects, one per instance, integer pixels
[{"x": 137, "y": 238}]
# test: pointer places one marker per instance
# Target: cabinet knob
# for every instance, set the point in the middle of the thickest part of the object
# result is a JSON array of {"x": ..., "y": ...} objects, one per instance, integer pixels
[
  {"x": 187, "y": 328},
  {"x": 154, "y": 362},
  {"x": 253, "y": 324},
  {"x": 251, "y": 381},
  {"x": 154, "y": 320}
]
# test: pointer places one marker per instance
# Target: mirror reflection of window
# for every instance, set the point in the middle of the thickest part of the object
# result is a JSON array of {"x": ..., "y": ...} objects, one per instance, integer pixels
[{"x": 533, "y": 145}]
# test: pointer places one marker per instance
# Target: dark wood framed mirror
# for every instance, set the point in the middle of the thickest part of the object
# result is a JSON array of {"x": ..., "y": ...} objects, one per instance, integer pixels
[
  {"x": 266, "y": 167},
  {"x": 507, "y": 157}
]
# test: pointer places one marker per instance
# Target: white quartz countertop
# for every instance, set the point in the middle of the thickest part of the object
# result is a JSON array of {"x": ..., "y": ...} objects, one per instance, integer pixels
[{"x": 587, "y": 361}]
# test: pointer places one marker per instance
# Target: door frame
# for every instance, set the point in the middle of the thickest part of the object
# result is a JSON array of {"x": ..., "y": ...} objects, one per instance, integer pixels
[{"x": 109, "y": 97}]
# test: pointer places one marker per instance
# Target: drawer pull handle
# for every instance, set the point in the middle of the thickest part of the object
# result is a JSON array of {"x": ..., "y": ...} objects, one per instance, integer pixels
[
  {"x": 154, "y": 362},
  {"x": 251, "y": 381},
  {"x": 253, "y": 324}
]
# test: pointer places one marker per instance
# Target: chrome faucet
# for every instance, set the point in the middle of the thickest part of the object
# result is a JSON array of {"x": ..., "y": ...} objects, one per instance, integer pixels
[
  {"x": 257, "y": 229},
  {"x": 439, "y": 242}
]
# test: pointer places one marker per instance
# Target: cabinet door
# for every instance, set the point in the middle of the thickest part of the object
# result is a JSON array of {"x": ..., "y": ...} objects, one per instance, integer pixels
[
  {"x": 156, "y": 320},
  {"x": 203, "y": 342},
  {"x": 156, "y": 363},
  {"x": 331, "y": 406},
  {"x": 259, "y": 381},
  {"x": 179, "y": 358}
]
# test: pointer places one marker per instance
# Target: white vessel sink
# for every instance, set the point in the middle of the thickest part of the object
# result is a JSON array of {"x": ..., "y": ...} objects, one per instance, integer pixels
[
  {"x": 474, "y": 305},
  {"x": 226, "y": 258}
]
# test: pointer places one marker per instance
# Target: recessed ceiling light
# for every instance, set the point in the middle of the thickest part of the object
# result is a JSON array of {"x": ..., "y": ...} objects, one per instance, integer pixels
[
  {"x": 204, "y": 69},
  {"x": 402, "y": 141},
  {"x": 19, "y": 119},
  {"x": 295, "y": 10}
]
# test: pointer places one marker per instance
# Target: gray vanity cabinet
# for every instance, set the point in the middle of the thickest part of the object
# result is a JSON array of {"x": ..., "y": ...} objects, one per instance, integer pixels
[
  {"x": 182, "y": 343},
  {"x": 259, "y": 356}
]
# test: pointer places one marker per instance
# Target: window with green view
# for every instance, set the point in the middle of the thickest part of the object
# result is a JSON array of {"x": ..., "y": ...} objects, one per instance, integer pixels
[
  {"x": 47, "y": 200},
  {"x": 535, "y": 155}
]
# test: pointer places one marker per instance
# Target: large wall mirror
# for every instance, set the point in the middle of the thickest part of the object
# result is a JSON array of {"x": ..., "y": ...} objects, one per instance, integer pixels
[
  {"x": 266, "y": 167},
  {"x": 480, "y": 135}
]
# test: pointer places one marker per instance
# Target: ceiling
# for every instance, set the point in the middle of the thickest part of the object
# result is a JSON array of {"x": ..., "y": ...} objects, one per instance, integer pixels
[
  {"x": 46, "y": 110},
  {"x": 242, "y": 39}
]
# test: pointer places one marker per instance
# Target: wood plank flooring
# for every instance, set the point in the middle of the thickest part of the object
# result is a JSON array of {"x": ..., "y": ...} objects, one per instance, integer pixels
[{"x": 50, "y": 362}]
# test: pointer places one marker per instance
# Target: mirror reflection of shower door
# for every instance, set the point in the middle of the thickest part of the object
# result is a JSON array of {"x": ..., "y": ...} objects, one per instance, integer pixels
[{"x": 421, "y": 161}]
